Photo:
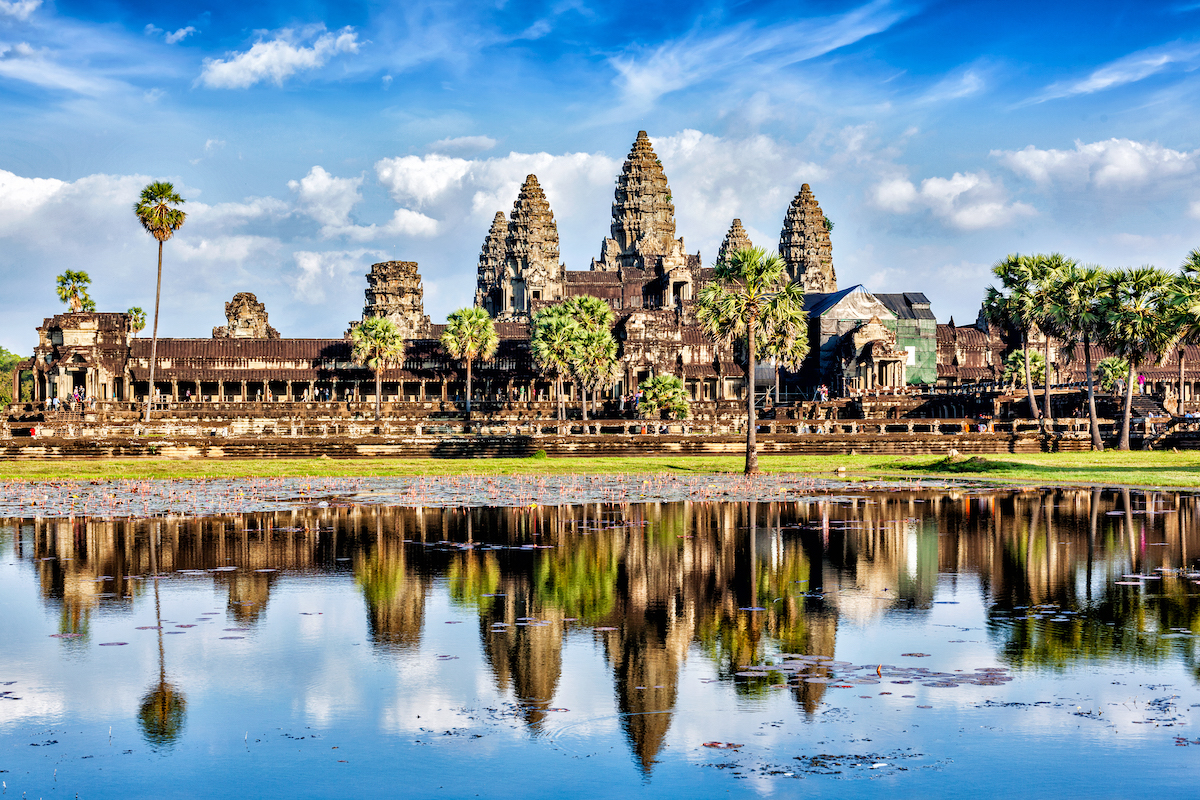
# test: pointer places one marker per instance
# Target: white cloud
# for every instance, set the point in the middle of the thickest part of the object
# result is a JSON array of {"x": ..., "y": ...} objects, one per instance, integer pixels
[
  {"x": 463, "y": 144},
  {"x": 327, "y": 199},
  {"x": 1128, "y": 69},
  {"x": 955, "y": 87},
  {"x": 317, "y": 270},
  {"x": 180, "y": 35},
  {"x": 645, "y": 76},
  {"x": 1194, "y": 209},
  {"x": 420, "y": 179},
  {"x": 277, "y": 59},
  {"x": 213, "y": 145},
  {"x": 967, "y": 200},
  {"x": 1118, "y": 163},
  {"x": 19, "y": 9},
  {"x": 22, "y": 62}
]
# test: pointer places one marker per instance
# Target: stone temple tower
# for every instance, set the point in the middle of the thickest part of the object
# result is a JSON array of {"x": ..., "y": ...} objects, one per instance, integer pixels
[
  {"x": 394, "y": 291},
  {"x": 736, "y": 239},
  {"x": 489, "y": 294},
  {"x": 805, "y": 246},
  {"x": 532, "y": 269},
  {"x": 643, "y": 216}
]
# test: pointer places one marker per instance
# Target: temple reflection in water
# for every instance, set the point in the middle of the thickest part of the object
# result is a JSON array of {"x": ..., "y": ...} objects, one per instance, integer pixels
[{"x": 657, "y": 584}]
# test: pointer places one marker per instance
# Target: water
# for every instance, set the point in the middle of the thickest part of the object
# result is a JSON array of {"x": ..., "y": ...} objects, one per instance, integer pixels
[{"x": 953, "y": 642}]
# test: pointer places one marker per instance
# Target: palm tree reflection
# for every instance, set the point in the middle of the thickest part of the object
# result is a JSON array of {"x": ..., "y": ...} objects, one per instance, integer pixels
[{"x": 163, "y": 709}]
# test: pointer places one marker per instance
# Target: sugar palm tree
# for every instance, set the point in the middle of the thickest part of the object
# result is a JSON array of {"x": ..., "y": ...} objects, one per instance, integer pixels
[
  {"x": 72, "y": 290},
  {"x": 555, "y": 343},
  {"x": 1047, "y": 268},
  {"x": 1074, "y": 312},
  {"x": 596, "y": 362},
  {"x": 1185, "y": 310},
  {"x": 157, "y": 209},
  {"x": 663, "y": 393},
  {"x": 748, "y": 294},
  {"x": 1109, "y": 371},
  {"x": 137, "y": 320},
  {"x": 377, "y": 343},
  {"x": 1135, "y": 303},
  {"x": 1014, "y": 305},
  {"x": 469, "y": 335}
]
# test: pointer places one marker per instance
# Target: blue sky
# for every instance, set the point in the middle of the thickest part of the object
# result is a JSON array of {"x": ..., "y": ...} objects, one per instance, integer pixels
[{"x": 312, "y": 139}]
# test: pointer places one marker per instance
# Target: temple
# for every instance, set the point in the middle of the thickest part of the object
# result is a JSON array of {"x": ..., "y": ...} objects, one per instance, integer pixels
[{"x": 862, "y": 344}]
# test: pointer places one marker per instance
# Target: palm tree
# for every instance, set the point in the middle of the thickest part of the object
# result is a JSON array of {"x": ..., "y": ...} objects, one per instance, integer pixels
[
  {"x": 163, "y": 708},
  {"x": 1015, "y": 305},
  {"x": 1014, "y": 367},
  {"x": 157, "y": 210},
  {"x": 1135, "y": 304},
  {"x": 1109, "y": 371},
  {"x": 377, "y": 343},
  {"x": 469, "y": 335},
  {"x": 554, "y": 343},
  {"x": 749, "y": 293},
  {"x": 72, "y": 290},
  {"x": 1185, "y": 310},
  {"x": 1047, "y": 268},
  {"x": 137, "y": 320},
  {"x": 595, "y": 363},
  {"x": 1074, "y": 312},
  {"x": 663, "y": 393},
  {"x": 787, "y": 343}
]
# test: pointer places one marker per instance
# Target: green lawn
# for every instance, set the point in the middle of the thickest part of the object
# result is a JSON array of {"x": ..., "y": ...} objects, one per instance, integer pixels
[{"x": 1155, "y": 468}]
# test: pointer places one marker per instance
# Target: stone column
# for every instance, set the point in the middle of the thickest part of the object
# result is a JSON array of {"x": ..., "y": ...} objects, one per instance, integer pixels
[
  {"x": 289, "y": 391},
  {"x": 175, "y": 390},
  {"x": 421, "y": 392},
  {"x": 445, "y": 386},
  {"x": 312, "y": 391},
  {"x": 242, "y": 399}
]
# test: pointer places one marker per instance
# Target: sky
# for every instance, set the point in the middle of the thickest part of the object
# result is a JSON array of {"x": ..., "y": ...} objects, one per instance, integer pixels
[{"x": 313, "y": 139}]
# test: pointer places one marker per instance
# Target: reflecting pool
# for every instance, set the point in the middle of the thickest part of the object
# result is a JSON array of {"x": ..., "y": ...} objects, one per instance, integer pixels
[{"x": 950, "y": 642}]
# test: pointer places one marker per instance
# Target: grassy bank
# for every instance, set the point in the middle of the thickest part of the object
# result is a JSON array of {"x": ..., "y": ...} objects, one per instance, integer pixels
[{"x": 1112, "y": 468}]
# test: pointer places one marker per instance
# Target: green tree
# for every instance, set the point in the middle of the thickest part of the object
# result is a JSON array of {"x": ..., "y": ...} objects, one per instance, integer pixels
[
  {"x": 596, "y": 354},
  {"x": 157, "y": 209},
  {"x": 749, "y": 293},
  {"x": 1015, "y": 305},
  {"x": 137, "y": 320},
  {"x": 377, "y": 343},
  {"x": 72, "y": 290},
  {"x": 1074, "y": 313},
  {"x": 1014, "y": 366},
  {"x": 1184, "y": 304},
  {"x": 1136, "y": 307},
  {"x": 555, "y": 345},
  {"x": 1048, "y": 269},
  {"x": 8, "y": 365},
  {"x": 663, "y": 394},
  {"x": 469, "y": 335},
  {"x": 1109, "y": 371}
]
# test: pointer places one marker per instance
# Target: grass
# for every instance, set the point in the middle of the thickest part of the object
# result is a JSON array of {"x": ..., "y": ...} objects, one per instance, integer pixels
[{"x": 1156, "y": 468}]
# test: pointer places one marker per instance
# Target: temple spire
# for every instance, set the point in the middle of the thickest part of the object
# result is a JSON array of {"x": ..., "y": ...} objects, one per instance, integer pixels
[
  {"x": 805, "y": 246},
  {"x": 735, "y": 240}
]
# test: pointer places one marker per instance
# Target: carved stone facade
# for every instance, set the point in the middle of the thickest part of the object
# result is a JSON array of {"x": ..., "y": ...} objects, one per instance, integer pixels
[
  {"x": 394, "y": 291},
  {"x": 489, "y": 291},
  {"x": 735, "y": 240},
  {"x": 245, "y": 318},
  {"x": 805, "y": 246}
]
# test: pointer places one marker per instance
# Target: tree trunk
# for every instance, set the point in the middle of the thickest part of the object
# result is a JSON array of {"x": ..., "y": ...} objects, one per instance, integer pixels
[
  {"x": 751, "y": 439},
  {"x": 378, "y": 389},
  {"x": 1097, "y": 442},
  {"x": 777, "y": 382},
  {"x": 154, "y": 334},
  {"x": 583, "y": 402},
  {"x": 468, "y": 387},
  {"x": 1123, "y": 442},
  {"x": 1033, "y": 409},
  {"x": 1046, "y": 413}
]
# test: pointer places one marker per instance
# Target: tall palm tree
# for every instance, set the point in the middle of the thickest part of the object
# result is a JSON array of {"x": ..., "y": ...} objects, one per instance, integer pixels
[
  {"x": 137, "y": 320},
  {"x": 748, "y": 295},
  {"x": 470, "y": 334},
  {"x": 1074, "y": 312},
  {"x": 555, "y": 343},
  {"x": 1015, "y": 305},
  {"x": 1185, "y": 310},
  {"x": 377, "y": 343},
  {"x": 72, "y": 290},
  {"x": 1135, "y": 303},
  {"x": 1047, "y": 269},
  {"x": 157, "y": 209},
  {"x": 595, "y": 363}
]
